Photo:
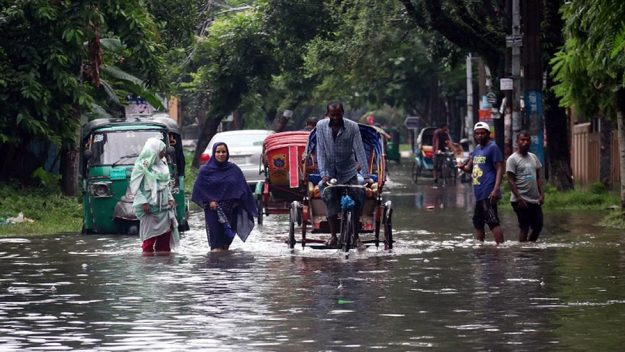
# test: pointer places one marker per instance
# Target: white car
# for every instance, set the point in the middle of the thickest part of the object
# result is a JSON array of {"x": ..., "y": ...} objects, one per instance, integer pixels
[{"x": 245, "y": 147}]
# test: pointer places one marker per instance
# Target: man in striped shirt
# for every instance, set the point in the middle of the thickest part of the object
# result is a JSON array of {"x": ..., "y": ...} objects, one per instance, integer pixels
[{"x": 340, "y": 155}]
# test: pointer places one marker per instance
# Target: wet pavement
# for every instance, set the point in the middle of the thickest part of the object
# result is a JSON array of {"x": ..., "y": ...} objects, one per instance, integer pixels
[{"x": 437, "y": 289}]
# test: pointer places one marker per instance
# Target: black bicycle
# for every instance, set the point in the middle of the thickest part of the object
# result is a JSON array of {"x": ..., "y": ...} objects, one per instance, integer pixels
[{"x": 448, "y": 169}]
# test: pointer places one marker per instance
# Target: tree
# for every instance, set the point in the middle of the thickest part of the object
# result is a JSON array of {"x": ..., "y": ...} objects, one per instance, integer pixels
[
  {"x": 377, "y": 57},
  {"x": 49, "y": 77},
  {"x": 556, "y": 120},
  {"x": 478, "y": 26},
  {"x": 233, "y": 60},
  {"x": 590, "y": 67},
  {"x": 481, "y": 27}
]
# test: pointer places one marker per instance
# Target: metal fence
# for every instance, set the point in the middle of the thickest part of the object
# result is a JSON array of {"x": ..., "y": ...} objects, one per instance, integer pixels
[{"x": 586, "y": 155}]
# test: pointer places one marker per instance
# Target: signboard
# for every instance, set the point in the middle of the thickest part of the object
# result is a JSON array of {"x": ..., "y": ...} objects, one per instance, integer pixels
[
  {"x": 137, "y": 106},
  {"x": 505, "y": 84},
  {"x": 491, "y": 97},
  {"x": 515, "y": 40},
  {"x": 534, "y": 110},
  {"x": 412, "y": 122}
]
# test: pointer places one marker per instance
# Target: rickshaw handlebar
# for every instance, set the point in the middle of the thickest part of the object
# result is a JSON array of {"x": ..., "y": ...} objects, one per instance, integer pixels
[{"x": 336, "y": 185}]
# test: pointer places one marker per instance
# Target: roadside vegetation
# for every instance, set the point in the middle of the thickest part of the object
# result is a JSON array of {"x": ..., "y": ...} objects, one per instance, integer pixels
[
  {"x": 49, "y": 210},
  {"x": 593, "y": 198},
  {"x": 596, "y": 197}
]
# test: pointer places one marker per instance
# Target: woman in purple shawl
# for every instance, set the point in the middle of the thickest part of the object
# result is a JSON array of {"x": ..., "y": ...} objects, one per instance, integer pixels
[{"x": 221, "y": 189}]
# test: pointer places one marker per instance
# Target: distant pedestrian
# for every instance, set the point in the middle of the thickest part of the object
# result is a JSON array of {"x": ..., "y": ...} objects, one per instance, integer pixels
[
  {"x": 153, "y": 202},
  {"x": 311, "y": 123},
  {"x": 440, "y": 142},
  {"x": 523, "y": 169},
  {"x": 486, "y": 166}
]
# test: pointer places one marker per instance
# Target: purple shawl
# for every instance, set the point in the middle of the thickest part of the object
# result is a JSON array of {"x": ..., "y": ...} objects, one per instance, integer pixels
[{"x": 222, "y": 181}]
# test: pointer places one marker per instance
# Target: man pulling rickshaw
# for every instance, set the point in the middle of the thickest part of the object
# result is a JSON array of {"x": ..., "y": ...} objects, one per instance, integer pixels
[{"x": 340, "y": 152}]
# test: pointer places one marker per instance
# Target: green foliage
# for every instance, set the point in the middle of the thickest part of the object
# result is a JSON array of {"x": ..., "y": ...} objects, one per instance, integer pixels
[
  {"x": 591, "y": 65},
  {"x": 47, "y": 69},
  {"x": 476, "y": 26},
  {"x": 615, "y": 219},
  {"x": 555, "y": 200},
  {"x": 376, "y": 56},
  {"x": 232, "y": 61},
  {"x": 46, "y": 179},
  {"x": 190, "y": 173},
  {"x": 52, "y": 213},
  {"x": 597, "y": 188},
  {"x": 177, "y": 21}
]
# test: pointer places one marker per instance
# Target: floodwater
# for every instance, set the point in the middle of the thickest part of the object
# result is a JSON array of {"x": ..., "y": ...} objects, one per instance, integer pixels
[{"x": 437, "y": 289}]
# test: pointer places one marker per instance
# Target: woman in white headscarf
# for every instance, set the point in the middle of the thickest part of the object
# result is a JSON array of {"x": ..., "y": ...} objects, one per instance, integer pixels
[{"x": 153, "y": 203}]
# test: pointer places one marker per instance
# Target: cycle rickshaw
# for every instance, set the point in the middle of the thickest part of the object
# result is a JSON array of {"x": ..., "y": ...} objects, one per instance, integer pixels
[
  {"x": 284, "y": 173},
  {"x": 375, "y": 215},
  {"x": 424, "y": 157}
]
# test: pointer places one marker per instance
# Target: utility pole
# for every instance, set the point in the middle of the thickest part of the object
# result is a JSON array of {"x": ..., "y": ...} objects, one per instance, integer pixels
[
  {"x": 516, "y": 43},
  {"x": 468, "y": 126}
]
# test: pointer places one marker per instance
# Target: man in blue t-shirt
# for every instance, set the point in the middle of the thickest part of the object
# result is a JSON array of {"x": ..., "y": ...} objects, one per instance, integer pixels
[{"x": 487, "y": 167}]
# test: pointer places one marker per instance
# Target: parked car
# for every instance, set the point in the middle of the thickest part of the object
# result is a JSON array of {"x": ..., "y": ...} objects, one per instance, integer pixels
[{"x": 245, "y": 147}]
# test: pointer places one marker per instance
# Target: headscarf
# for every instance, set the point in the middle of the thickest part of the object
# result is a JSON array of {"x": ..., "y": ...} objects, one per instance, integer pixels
[
  {"x": 150, "y": 169},
  {"x": 219, "y": 181}
]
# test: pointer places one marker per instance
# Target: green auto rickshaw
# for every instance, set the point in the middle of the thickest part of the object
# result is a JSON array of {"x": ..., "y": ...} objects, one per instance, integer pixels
[{"x": 108, "y": 151}]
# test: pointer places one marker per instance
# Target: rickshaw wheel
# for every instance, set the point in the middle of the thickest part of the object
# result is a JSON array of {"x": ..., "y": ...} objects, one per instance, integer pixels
[
  {"x": 388, "y": 236},
  {"x": 291, "y": 232},
  {"x": 379, "y": 210},
  {"x": 416, "y": 170},
  {"x": 377, "y": 233},
  {"x": 346, "y": 231},
  {"x": 388, "y": 228},
  {"x": 303, "y": 227},
  {"x": 259, "y": 205}
]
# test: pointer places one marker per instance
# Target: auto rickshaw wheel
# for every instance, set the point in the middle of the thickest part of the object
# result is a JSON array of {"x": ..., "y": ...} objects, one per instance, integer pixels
[
  {"x": 85, "y": 230},
  {"x": 133, "y": 230}
]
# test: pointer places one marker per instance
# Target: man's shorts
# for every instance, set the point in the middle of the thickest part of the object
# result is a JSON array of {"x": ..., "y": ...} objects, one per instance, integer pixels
[
  {"x": 485, "y": 212},
  {"x": 532, "y": 216},
  {"x": 439, "y": 159}
]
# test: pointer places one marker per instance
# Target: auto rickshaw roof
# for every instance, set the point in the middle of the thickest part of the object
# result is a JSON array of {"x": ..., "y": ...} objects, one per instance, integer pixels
[{"x": 158, "y": 120}]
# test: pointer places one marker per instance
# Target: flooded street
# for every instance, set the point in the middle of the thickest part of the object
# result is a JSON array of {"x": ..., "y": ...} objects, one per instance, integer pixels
[{"x": 437, "y": 289}]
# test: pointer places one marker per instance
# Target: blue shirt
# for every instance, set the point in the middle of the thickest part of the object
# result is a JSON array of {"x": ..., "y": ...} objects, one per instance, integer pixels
[
  {"x": 484, "y": 172},
  {"x": 337, "y": 157}
]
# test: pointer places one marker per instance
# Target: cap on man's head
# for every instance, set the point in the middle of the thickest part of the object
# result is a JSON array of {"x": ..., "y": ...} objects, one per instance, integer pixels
[{"x": 481, "y": 124}]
